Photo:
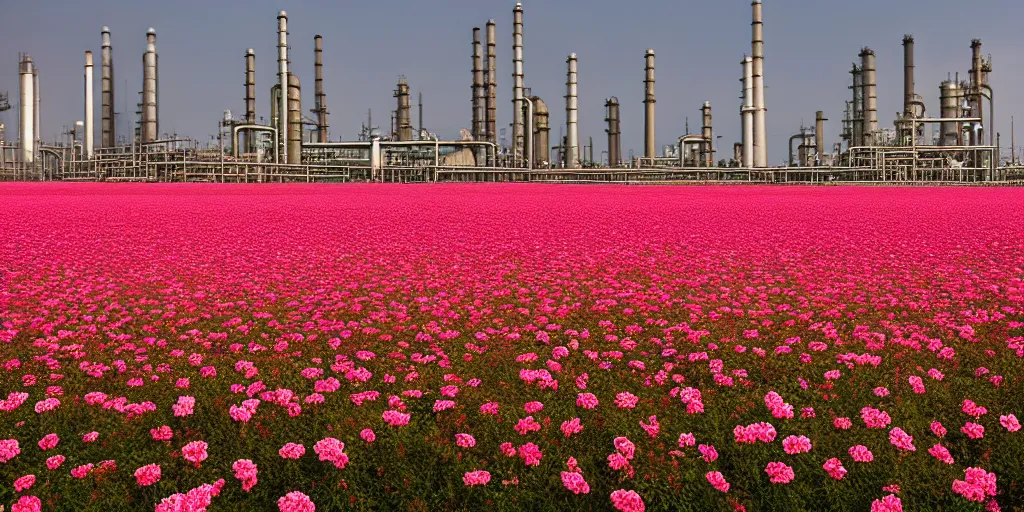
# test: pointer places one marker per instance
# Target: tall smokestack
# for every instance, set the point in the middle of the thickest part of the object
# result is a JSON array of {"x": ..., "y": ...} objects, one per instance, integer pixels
[
  {"x": 318, "y": 89},
  {"x": 282, "y": 77},
  {"x": 908, "y": 76},
  {"x": 747, "y": 112},
  {"x": 404, "y": 111},
  {"x": 36, "y": 109},
  {"x": 491, "y": 79},
  {"x": 819, "y": 136},
  {"x": 87, "y": 136},
  {"x": 707, "y": 133},
  {"x": 858, "y": 106},
  {"x": 541, "y": 133},
  {"x": 614, "y": 132},
  {"x": 977, "y": 109},
  {"x": 649, "y": 101},
  {"x": 150, "y": 126},
  {"x": 26, "y": 123},
  {"x": 870, "y": 96},
  {"x": 571, "y": 111},
  {"x": 294, "y": 115},
  {"x": 517, "y": 75},
  {"x": 479, "y": 90},
  {"x": 250, "y": 96},
  {"x": 757, "y": 51},
  {"x": 108, "y": 132}
]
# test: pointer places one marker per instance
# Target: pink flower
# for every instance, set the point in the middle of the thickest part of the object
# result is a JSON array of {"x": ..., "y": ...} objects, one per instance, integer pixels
[
  {"x": 245, "y": 471},
  {"x": 90, "y": 437},
  {"x": 709, "y": 453},
  {"x": 860, "y": 453},
  {"x": 490, "y": 408},
  {"x": 625, "y": 447},
  {"x": 575, "y": 482},
  {"x": 292, "y": 451},
  {"x": 295, "y": 501},
  {"x": 476, "y": 478},
  {"x": 796, "y": 444},
  {"x": 973, "y": 430},
  {"x": 617, "y": 461},
  {"x": 842, "y": 423},
  {"x": 465, "y": 440},
  {"x": 901, "y": 439},
  {"x": 938, "y": 429},
  {"x": 184, "y": 407},
  {"x": 330, "y": 450},
  {"x": 82, "y": 471},
  {"x": 626, "y": 400},
  {"x": 48, "y": 441},
  {"x": 27, "y": 504},
  {"x": 508, "y": 450},
  {"x": 24, "y": 483},
  {"x": 571, "y": 427},
  {"x": 834, "y": 468},
  {"x": 526, "y": 425},
  {"x": 976, "y": 485},
  {"x": 368, "y": 435},
  {"x": 531, "y": 454},
  {"x": 9, "y": 449},
  {"x": 195, "y": 452},
  {"x": 147, "y": 475},
  {"x": 651, "y": 428},
  {"x": 875, "y": 418},
  {"x": 163, "y": 433},
  {"x": 627, "y": 501},
  {"x": 1009, "y": 422},
  {"x": 54, "y": 462},
  {"x": 779, "y": 473},
  {"x": 586, "y": 400},
  {"x": 686, "y": 440},
  {"x": 443, "y": 405},
  {"x": 940, "y": 452},
  {"x": 532, "y": 407},
  {"x": 717, "y": 480},
  {"x": 395, "y": 418},
  {"x": 890, "y": 503}
]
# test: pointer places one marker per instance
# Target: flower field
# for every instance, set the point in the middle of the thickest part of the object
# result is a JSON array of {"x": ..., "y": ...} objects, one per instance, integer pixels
[{"x": 506, "y": 347}]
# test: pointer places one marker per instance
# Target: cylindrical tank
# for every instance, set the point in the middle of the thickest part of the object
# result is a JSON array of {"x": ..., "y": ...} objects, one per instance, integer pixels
[
  {"x": 150, "y": 126},
  {"x": 282, "y": 77},
  {"x": 26, "y": 124},
  {"x": 87, "y": 141},
  {"x": 760, "y": 110},
  {"x": 108, "y": 132},
  {"x": 517, "y": 75},
  {"x": 747, "y": 113},
  {"x": 949, "y": 100},
  {"x": 649, "y": 101},
  {"x": 491, "y": 79},
  {"x": 322, "y": 128},
  {"x": 294, "y": 120},
  {"x": 870, "y": 85},
  {"x": 571, "y": 112},
  {"x": 541, "y": 134},
  {"x": 479, "y": 90},
  {"x": 614, "y": 132}
]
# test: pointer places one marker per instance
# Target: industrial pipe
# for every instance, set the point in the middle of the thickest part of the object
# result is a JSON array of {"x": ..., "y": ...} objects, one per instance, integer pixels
[
  {"x": 282, "y": 81},
  {"x": 649, "y": 101},
  {"x": 248, "y": 127},
  {"x": 517, "y": 74},
  {"x": 528, "y": 140},
  {"x": 150, "y": 125},
  {"x": 571, "y": 113},
  {"x": 88, "y": 135},
  {"x": 26, "y": 126},
  {"x": 108, "y": 132},
  {"x": 757, "y": 50}
]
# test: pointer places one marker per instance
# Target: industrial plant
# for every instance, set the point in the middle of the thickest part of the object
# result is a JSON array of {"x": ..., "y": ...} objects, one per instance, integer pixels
[{"x": 949, "y": 143}]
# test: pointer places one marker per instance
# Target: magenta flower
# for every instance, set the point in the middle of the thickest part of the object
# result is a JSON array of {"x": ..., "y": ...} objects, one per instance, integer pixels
[
  {"x": 901, "y": 439},
  {"x": 368, "y": 435},
  {"x": 27, "y": 504},
  {"x": 48, "y": 442},
  {"x": 295, "y": 501},
  {"x": 627, "y": 501},
  {"x": 194, "y": 452},
  {"x": 9, "y": 449},
  {"x": 329, "y": 449},
  {"x": 531, "y": 454},
  {"x": 1009, "y": 422},
  {"x": 471, "y": 478},
  {"x": 24, "y": 483},
  {"x": 147, "y": 475},
  {"x": 717, "y": 480},
  {"x": 575, "y": 482},
  {"x": 860, "y": 453},
  {"x": 465, "y": 440},
  {"x": 779, "y": 473},
  {"x": 292, "y": 451},
  {"x": 889, "y": 503},
  {"x": 246, "y": 472},
  {"x": 834, "y": 468},
  {"x": 796, "y": 444}
]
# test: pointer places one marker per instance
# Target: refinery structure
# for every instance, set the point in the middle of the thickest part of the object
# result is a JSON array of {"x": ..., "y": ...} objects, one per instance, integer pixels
[{"x": 952, "y": 142}]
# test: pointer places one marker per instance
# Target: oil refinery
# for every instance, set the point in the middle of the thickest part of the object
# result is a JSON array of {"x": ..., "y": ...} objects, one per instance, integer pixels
[{"x": 951, "y": 143}]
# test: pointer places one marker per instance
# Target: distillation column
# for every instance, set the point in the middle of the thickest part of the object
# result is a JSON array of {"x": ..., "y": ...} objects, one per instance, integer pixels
[
  {"x": 517, "y": 75},
  {"x": 250, "y": 98},
  {"x": 869, "y": 97},
  {"x": 294, "y": 115},
  {"x": 541, "y": 133},
  {"x": 614, "y": 132},
  {"x": 150, "y": 124},
  {"x": 977, "y": 132},
  {"x": 858, "y": 106},
  {"x": 747, "y": 112},
  {"x": 707, "y": 133},
  {"x": 108, "y": 133},
  {"x": 318, "y": 89},
  {"x": 572, "y": 158},
  {"x": 404, "y": 111},
  {"x": 819, "y": 136},
  {"x": 282, "y": 82},
  {"x": 908, "y": 77},
  {"x": 491, "y": 79},
  {"x": 757, "y": 50},
  {"x": 26, "y": 126},
  {"x": 649, "y": 101},
  {"x": 949, "y": 102},
  {"x": 87, "y": 140},
  {"x": 479, "y": 89}
]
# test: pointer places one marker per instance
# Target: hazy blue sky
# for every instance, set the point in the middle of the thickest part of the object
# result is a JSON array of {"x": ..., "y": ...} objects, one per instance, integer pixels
[{"x": 810, "y": 45}]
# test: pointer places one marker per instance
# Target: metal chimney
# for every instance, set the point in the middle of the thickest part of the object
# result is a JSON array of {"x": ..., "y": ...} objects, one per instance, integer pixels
[
  {"x": 747, "y": 112},
  {"x": 108, "y": 132},
  {"x": 571, "y": 112},
  {"x": 250, "y": 97},
  {"x": 87, "y": 141},
  {"x": 707, "y": 133},
  {"x": 819, "y": 136},
  {"x": 320, "y": 101},
  {"x": 614, "y": 132},
  {"x": 517, "y": 75},
  {"x": 908, "y": 76},
  {"x": 479, "y": 90},
  {"x": 491, "y": 79},
  {"x": 26, "y": 123},
  {"x": 282, "y": 77},
  {"x": 294, "y": 116},
  {"x": 404, "y": 122},
  {"x": 150, "y": 127},
  {"x": 870, "y": 96},
  {"x": 977, "y": 110},
  {"x": 757, "y": 51},
  {"x": 35, "y": 111},
  {"x": 649, "y": 101}
]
